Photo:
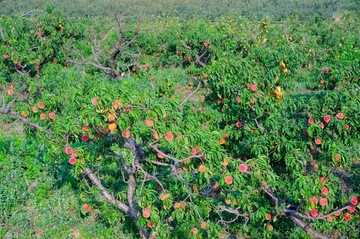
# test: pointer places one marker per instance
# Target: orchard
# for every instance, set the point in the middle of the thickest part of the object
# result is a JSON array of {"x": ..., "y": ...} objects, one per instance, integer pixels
[{"x": 197, "y": 129}]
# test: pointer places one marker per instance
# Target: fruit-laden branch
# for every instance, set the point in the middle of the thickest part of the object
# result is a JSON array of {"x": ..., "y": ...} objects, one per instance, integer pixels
[
  {"x": 325, "y": 216},
  {"x": 292, "y": 214},
  {"x": 191, "y": 93},
  {"x": 6, "y": 109},
  {"x": 237, "y": 213}
]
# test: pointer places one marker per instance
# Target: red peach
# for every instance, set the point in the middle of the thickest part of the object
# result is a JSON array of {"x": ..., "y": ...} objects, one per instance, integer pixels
[
  {"x": 354, "y": 200},
  {"x": 347, "y": 216},
  {"x": 313, "y": 200},
  {"x": 183, "y": 203},
  {"x": 340, "y": 116},
  {"x": 42, "y": 116},
  {"x": 203, "y": 225},
  {"x": 6, "y": 56},
  {"x": 72, "y": 161},
  {"x": 253, "y": 87},
  {"x": 329, "y": 218},
  {"x": 337, "y": 156},
  {"x": 238, "y": 99},
  {"x": 268, "y": 216},
  {"x": 310, "y": 121},
  {"x": 314, "y": 213},
  {"x": 322, "y": 125},
  {"x": 194, "y": 150},
  {"x": 194, "y": 230},
  {"x": 325, "y": 190},
  {"x": 85, "y": 138},
  {"x": 351, "y": 209},
  {"x": 219, "y": 100},
  {"x": 52, "y": 115},
  {"x": 150, "y": 224},
  {"x": 202, "y": 168},
  {"x": 41, "y": 105},
  {"x": 146, "y": 212},
  {"x": 323, "y": 201},
  {"x": 238, "y": 124},
  {"x": 243, "y": 168},
  {"x": 68, "y": 150},
  {"x": 326, "y": 69},
  {"x": 317, "y": 141},
  {"x": 94, "y": 101},
  {"x": 86, "y": 207},
  {"x": 327, "y": 118},
  {"x": 228, "y": 180},
  {"x": 169, "y": 136},
  {"x": 322, "y": 180}
]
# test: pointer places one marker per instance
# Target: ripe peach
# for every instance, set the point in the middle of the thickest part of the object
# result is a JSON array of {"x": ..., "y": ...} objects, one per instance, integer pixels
[
  {"x": 42, "y": 116},
  {"x": 325, "y": 190},
  {"x": 183, "y": 203},
  {"x": 205, "y": 76},
  {"x": 34, "y": 109},
  {"x": 194, "y": 230},
  {"x": 238, "y": 124},
  {"x": 177, "y": 205},
  {"x": 313, "y": 200},
  {"x": 153, "y": 132},
  {"x": 329, "y": 219},
  {"x": 243, "y": 168},
  {"x": 219, "y": 100},
  {"x": 24, "y": 113},
  {"x": 322, "y": 179},
  {"x": 169, "y": 136},
  {"x": 347, "y": 127},
  {"x": 227, "y": 201},
  {"x": 6, "y": 56},
  {"x": 52, "y": 115},
  {"x": 194, "y": 150},
  {"x": 225, "y": 163},
  {"x": 347, "y": 216},
  {"x": 323, "y": 201},
  {"x": 150, "y": 224},
  {"x": 10, "y": 91},
  {"x": 317, "y": 141},
  {"x": 68, "y": 150},
  {"x": 86, "y": 207},
  {"x": 146, "y": 212},
  {"x": 125, "y": 133},
  {"x": 149, "y": 122},
  {"x": 222, "y": 141},
  {"x": 112, "y": 126},
  {"x": 238, "y": 99},
  {"x": 72, "y": 160},
  {"x": 228, "y": 180},
  {"x": 340, "y": 116},
  {"x": 253, "y": 87},
  {"x": 74, "y": 154},
  {"x": 202, "y": 168},
  {"x": 314, "y": 213},
  {"x": 327, "y": 118},
  {"x": 322, "y": 125},
  {"x": 337, "y": 156},
  {"x": 338, "y": 213},
  {"x": 94, "y": 101},
  {"x": 85, "y": 138},
  {"x": 326, "y": 69},
  {"x": 354, "y": 200},
  {"x": 160, "y": 155},
  {"x": 41, "y": 105},
  {"x": 203, "y": 225},
  {"x": 310, "y": 121},
  {"x": 268, "y": 216},
  {"x": 270, "y": 227},
  {"x": 351, "y": 209},
  {"x": 163, "y": 196}
]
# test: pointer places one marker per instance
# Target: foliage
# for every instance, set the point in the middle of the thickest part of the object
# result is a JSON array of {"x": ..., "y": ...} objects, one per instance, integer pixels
[{"x": 234, "y": 127}]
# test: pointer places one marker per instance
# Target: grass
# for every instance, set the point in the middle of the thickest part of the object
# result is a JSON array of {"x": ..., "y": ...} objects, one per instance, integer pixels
[{"x": 33, "y": 205}]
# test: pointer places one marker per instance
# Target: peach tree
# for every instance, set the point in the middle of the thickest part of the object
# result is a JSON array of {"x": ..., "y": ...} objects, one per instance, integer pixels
[{"x": 249, "y": 151}]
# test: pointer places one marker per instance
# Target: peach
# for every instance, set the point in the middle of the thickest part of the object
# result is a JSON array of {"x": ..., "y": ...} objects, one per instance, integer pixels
[
  {"x": 227, "y": 201},
  {"x": 354, "y": 200},
  {"x": 219, "y": 100},
  {"x": 225, "y": 163},
  {"x": 340, "y": 116},
  {"x": 52, "y": 115},
  {"x": 228, "y": 180},
  {"x": 72, "y": 161},
  {"x": 155, "y": 134},
  {"x": 337, "y": 156},
  {"x": 194, "y": 150},
  {"x": 6, "y": 56},
  {"x": 323, "y": 201},
  {"x": 163, "y": 196},
  {"x": 329, "y": 219},
  {"x": 125, "y": 133},
  {"x": 314, "y": 213},
  {"x": 351, "y": 209},
  {"x": 222, "y": 141},
  {"x": 253, "y": 87},
  {"x": 238, "y": 124},
  {"x": 86, "y": 207},
  {"x": 41, "y": 105},
  {"x": 347, "y": 127},
  {"x": 177, "y": 205},
  {"x": 205, "y": 76},
  {"x": 243, "y": 168},
  {"x": 202, "y": 168},
  {"x": 10, "y": 91},
  {"x": 268, "y": 216},
  {"x": 317, "y": 141},
  {"x": 94, "y": 101},
  {"x": 68, "y": 150},
  {"x": 325, "y": 190},
  {"x": 322, "y": 179},
  {"x": 146, "y": 212},
  {"x": 313, "y": 200},
  {"x": 270, "y": 227},
  {"x": 112, "y": 126},
  {"x": 149, "y": 122},
  {"x": 310, "y": 121},
  {"x": 338, "y": 213},
  {"x": 203, "y": 225},
  {"x": 150, "y": 224},
  {"x": 238, "y": 99},
  {"x": 169, "y": 136},
  {"x": 85, "y": 138},
  {"x": 34, "y": 109},
  {"x": 160, "y": 155},
  {"x": 194, "y": 230},
  {"x": 42, "y": 116},
  {"x": 326, "y": 69},
  {"x": 327, "y": 118},
  {"x": 183, "y": 203},
  {"x": 347, "y": 216},
  {"x": 322, "y": 125}
]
